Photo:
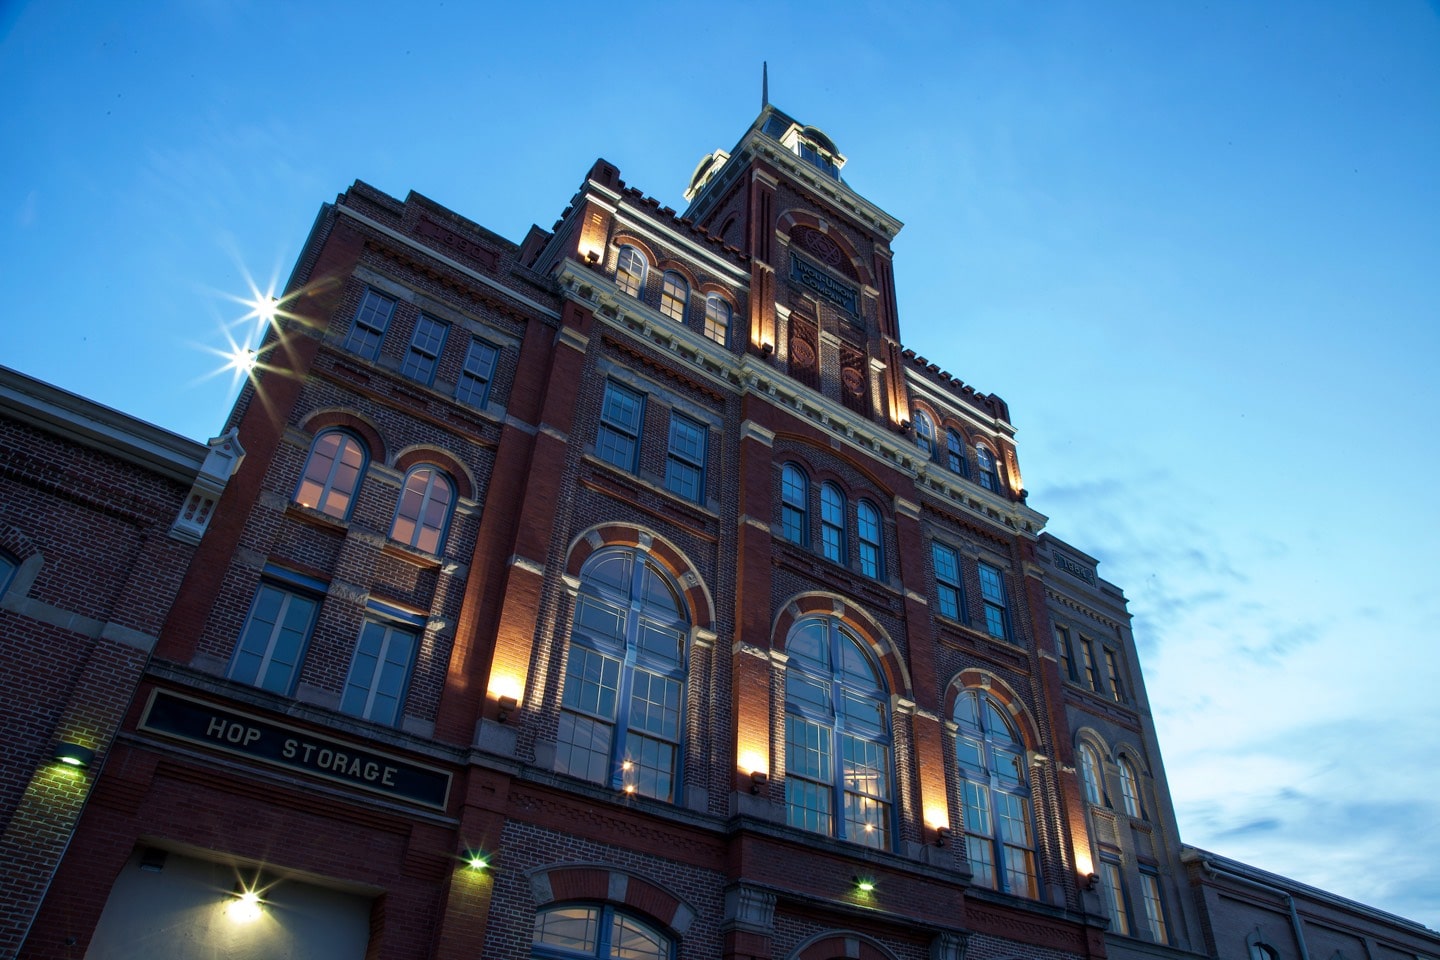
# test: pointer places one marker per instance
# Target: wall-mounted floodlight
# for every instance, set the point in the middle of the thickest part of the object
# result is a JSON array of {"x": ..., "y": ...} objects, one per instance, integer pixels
[{"x": 73, "y": 755}]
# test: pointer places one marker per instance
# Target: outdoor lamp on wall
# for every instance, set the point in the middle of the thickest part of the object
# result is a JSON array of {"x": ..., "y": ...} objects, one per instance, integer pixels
[
  {"x": 942, "y": 836},
  {"x": 864, "y": 884},
  {"x": 758, "y": 780},
  {"x": 506, "y": 704},
  {"x": 73, "y": 755}
]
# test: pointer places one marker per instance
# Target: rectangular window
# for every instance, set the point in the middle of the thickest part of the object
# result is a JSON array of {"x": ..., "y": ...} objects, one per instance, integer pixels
[
  {"x": 380, "y": 672},
  {"x": 1154, "y": 908},
  {"x": 1112, "y": 667},
  {"x": 808, "y": 775},
  {"x": 685, "y": 460},
  {"x": 368, "y": 329},
  {"x": 587, "y": 720},
  {"x": 947, "y": 581},
  {"x": 424, "y": 354},
  {"x": 1114, "y": 897},
  {"x": 997, "y": 612},
  {"x": 621, "y": 414},
  {"x": 274, "y": 639},
  {"x": 1087, "y": 653},
  {"x": 1067, "y": 659},
  {"x": 479, "y": 370}
]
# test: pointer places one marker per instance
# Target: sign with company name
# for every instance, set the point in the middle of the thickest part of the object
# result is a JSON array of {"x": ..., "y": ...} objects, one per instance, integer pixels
[
  {"x": 837, "y": 292},
  {"x": 281, "y": 745}
]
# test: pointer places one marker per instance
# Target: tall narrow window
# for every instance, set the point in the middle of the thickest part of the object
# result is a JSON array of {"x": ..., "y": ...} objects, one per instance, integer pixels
[
  {"x": 947, "y": 581},
  {"x": 332, "y": 474},
  {"x": 1129, "y": 787},
  {"x": 274, "y": 639},
  {"x": 985, "y": 464},
  {"x": 794, "y": 505},
  {"x": 380, "y": 671},
  {"x": 621, "y": 414},
  {"x": 955, "y": 453},
  {"x": 368, "y": 330},
  {"x": 8, "y": 566},
  {"x": 999, "y": 832},
  {"x": 1112, "y": 669},
  {"x": 925, "y": 432},
  {"x": 685, "y": 459},
  {"x": 601, "y": 932},
  {"x": 475, "y": 376},
  {"x": 997, "y": 610},
  {"x": 717, "y": 318},
  {"x": 832, "y": 523},
  {"x": 622, "y": 710},
  {"x": 837, "y": 735},
  {"x": 630, "y": 271},
  {"x": 1067, "y": 656},
  {"x": 424, "y": 354},
  {"x": 424, "y": 510},
  {"x": 1154, "y": 906},
  {"x": 1090, "y": 775},
  {"x": 1114, "y": 889},
  {"x": 872, "y": 553},
  {"x": 1087, "y": 655},
  {"x": 674, "y": 294}
]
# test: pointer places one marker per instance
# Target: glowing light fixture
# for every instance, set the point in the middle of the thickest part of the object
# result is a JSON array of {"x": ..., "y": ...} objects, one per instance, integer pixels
[
  {"x": 505, "y": 704},
  {"x": 864, "y": 884},
  {"x": 73, "y": 755},
  {"x": 942, "y": 836},
  {"x": 758, "y": 780},
  {"x": 247, "y": 905},
  {"x": 477, "y": 861}
]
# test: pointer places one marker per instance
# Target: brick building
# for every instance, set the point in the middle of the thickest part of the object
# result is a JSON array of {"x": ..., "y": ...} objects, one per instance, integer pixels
[
  {"x": 99, "y": 516},
  {"x": 633, "y": 592}
]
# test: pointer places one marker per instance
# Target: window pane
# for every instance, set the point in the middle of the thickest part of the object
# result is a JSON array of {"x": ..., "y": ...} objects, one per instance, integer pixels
[
  {"x": 592, "y": 682},
  {"x": 630, "y": 271},
  {"x": 717, "y": 318},
  {"x": 475, "y": 377},
  {"x": 620, "y": 417},
  {"x": 582, "y": 748},
  {"x": 674, "y": 292},
  {"x": 573, "y": 928},
  {"x": 632, "y": 940}
]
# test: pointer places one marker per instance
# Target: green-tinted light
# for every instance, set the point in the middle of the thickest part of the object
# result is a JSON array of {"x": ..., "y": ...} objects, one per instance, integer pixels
[
  {"x": 864, "y": 884},
  {"x": 476, "y": 861}
]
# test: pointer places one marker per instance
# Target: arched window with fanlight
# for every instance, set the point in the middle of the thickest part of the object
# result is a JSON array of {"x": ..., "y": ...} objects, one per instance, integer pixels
[
  {"x": 423, "y": 511},
  {"x": 1090, "y": 775},
  {"x": 837, "y": 735},
  {"x": 985, "y": 466},
  {"x": 332, "y": 473},
  {"x": 630, "y": 271},
  {"x": 795, "y": 505},
  {"x": 999, "y": 827},
  {"x": 1129, "y": 787},
  {"x": 674, "y": 295},
  {"x": 717, "y": 318},
  {"x": 925, "y": 432},
  {"x": 599, "y": 931},
  {"x": 622, "y": 712},
  {"x": 955, "y": 453}
]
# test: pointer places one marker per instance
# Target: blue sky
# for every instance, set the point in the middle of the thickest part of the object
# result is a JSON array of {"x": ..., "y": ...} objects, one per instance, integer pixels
[{"x": 1195, "y": 246}]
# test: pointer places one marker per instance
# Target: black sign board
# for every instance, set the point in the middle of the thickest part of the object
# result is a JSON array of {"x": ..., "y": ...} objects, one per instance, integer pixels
[
  {"x": 294, "y": 749},
  {"x": 837, "y": 292}
]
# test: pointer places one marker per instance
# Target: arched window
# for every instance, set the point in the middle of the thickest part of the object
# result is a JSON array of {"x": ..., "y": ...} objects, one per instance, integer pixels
[
  {"x": 332, "y": 474},
  {"x": 674, "y": 293},
  {"x": 1129, "y": 787},
  {"x": 985, "y": 462},
  {"x": 832, "y": 523},
  {"x": 717, "y": 318},
  {"x": 955, "y": 453},
  {"x": 597, "y": 931},
  {"x": 424, "y": 509},
  {"x": 837, "y": 735},
  {"x": 630, "y": 271},
  {"x": 622, "y": 711},
  {"x": 872, "y": 554},
  {"x": 925, "y": 432},
  {"x": 1090, "y": 775},
  {"x": 794, "y": 505},
  {"x": 999, "y": 831}
]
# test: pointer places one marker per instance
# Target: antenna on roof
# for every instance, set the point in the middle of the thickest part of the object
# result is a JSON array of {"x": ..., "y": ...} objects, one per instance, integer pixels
[{"x": 764, "y": 84}]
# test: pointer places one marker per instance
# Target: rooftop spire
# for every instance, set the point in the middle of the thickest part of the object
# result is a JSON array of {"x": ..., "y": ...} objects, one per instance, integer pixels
[{"x": 764, "y": 84}]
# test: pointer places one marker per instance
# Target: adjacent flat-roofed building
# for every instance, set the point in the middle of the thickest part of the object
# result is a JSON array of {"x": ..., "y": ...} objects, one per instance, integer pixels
[
  {"x": 99, "y": 516},
  {"x": 633, "y": 592}
]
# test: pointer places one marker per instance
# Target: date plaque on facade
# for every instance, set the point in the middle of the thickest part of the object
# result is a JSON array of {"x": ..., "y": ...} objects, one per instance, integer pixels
[{"x": 280, "y": 745}]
